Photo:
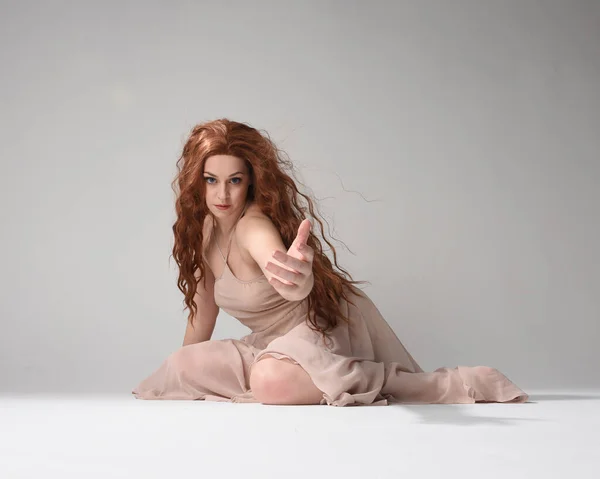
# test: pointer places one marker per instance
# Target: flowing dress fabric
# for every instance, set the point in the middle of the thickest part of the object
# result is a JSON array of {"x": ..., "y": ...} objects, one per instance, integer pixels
[{"x": 361, "y": 363}]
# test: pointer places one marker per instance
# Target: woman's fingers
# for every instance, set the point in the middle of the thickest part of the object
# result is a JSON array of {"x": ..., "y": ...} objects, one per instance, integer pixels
[
  {"x": 302, "y": 234},
  {"x": 279, "y": 285},
  {"x": 295, "y": 263},
  {"x": 303, "y": 231},
  {"x": 282, "y": 273}
]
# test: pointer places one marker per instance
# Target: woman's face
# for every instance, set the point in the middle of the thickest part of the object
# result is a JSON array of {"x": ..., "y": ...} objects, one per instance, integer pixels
[{"x": 227, "y": 180}]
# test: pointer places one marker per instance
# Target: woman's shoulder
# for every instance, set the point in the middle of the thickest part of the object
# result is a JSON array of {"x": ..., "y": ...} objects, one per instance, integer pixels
[
  {"x": 252, "y": 222},
  {"x": 253, "y": 218},
  {"x": 253, "y": 210}
]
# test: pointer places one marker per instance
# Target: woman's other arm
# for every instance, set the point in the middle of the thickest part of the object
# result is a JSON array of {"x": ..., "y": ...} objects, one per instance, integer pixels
[{"x": 206, "y": 316}]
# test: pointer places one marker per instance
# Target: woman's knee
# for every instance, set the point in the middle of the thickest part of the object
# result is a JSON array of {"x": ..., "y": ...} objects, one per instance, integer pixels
[{"x": 271, "y": 379}]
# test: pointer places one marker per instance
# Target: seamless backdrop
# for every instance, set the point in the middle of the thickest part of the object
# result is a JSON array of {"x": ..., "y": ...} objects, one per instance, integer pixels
[{"x": 453, "y": 148}]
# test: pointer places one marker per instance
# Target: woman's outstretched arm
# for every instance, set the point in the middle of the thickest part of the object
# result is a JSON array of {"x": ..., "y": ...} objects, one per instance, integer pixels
[{"x": 289, "y": 272}]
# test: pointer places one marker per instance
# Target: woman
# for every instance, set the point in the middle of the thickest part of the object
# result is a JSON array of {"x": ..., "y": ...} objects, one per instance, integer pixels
[{"x": 243, "y": 244}]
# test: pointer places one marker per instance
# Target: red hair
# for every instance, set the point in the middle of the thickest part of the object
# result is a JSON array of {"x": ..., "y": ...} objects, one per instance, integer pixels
[{"x": 276, "y": 194}]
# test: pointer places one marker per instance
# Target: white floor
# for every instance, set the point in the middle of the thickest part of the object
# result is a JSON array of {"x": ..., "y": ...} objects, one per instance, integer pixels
[{"x": 555, "y": 435}]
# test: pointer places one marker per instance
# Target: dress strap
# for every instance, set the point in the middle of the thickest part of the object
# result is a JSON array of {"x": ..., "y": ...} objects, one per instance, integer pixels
[
  {"x": 226, "y": 256},
  {"x": 219, "y": 248}
]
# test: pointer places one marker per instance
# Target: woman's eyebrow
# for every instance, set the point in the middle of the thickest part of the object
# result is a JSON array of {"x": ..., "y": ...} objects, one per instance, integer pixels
[{"x": 233, "y": 174}]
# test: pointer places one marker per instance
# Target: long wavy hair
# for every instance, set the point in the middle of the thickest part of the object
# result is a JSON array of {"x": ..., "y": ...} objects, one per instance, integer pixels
[{"x": 276, "y": 194}]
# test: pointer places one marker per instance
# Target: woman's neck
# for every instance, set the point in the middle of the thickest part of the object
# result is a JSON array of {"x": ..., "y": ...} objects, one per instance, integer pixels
[{"x": 223, "y": 229}]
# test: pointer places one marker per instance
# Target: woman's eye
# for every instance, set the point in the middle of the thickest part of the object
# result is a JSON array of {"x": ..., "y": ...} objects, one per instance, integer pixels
[{"x": 235, "y": 181}]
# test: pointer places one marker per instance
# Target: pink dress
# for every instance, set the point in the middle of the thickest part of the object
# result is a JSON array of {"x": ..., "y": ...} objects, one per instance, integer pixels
[{"x": 363, "y": 362}]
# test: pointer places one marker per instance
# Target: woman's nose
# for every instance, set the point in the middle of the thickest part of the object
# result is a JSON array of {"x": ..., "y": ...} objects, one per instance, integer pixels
[{"x": 223, "y": 192}]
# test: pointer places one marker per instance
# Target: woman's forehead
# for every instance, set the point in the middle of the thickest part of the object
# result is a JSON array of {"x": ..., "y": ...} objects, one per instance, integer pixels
[{"x": 224, "y": 165}]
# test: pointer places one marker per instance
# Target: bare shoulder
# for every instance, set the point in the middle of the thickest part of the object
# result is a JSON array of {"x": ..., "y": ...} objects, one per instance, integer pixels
[
  {"x": 254, "y": 221},
  {"x": 257, "y": 235}
]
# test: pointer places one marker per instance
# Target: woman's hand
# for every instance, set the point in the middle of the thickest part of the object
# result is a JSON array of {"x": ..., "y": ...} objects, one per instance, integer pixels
[{"x": 296, "y": 279}]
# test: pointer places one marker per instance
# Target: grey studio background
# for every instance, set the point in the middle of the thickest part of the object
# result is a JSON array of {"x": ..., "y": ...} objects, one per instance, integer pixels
[{"x": 453, "y": 144}]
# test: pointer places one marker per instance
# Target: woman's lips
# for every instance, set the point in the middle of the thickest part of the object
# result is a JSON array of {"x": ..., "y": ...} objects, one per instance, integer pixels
[{"x": 223, "y": 207}]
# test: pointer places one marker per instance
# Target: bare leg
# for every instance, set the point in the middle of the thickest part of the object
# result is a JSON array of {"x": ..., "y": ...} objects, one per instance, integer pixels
[{"x": 280, "y": 381}]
